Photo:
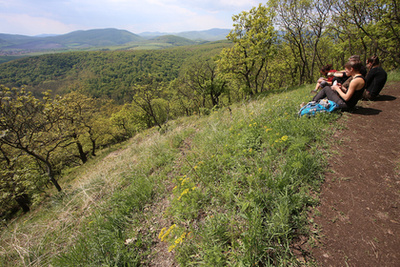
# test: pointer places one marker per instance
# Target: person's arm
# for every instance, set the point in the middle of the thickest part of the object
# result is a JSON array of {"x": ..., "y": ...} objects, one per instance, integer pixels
[
  {"x": 339, "y": 74},
  {"x": 339, "y": 86},
  {"x": 355, "y": 84}
]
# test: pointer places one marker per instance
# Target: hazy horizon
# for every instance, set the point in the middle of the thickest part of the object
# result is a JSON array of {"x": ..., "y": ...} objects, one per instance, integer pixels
[
  {"x": 38, "y": 17},
  {"x": 137, "y": 33}
]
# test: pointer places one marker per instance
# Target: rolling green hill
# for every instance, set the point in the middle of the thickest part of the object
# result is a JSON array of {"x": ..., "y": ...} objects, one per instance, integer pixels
[
  {"x": 103, "y": 37},
  {"x": 77, "y": 39}
]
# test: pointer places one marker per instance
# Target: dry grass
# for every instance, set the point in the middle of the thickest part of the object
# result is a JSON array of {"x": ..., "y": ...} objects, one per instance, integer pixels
[{"x": 51, "y": 228}]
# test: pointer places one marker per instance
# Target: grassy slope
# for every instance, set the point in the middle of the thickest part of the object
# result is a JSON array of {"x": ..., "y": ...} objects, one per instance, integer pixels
[{"x": 229, "y": 188}]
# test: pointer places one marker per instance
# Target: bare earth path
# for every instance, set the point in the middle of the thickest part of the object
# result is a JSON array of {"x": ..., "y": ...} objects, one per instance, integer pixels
[{"x": 359, "y": 215}]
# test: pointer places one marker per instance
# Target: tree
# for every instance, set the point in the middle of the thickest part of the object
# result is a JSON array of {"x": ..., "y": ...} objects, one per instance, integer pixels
[
  {"x": 253, "y": 37},
  {"x": 81, "y": 113},
  {"x": 20, "y": 179},
  {"x": 152, "y": 100},
  {"x": 202, "y": 78},
  {"x": 129, "y": 119},
  {"x": 319, "y": 20},
  {"x": 293, "y": 19},
  {"x": 375, "y": 23},
  {"x": 35, "y": 127}
]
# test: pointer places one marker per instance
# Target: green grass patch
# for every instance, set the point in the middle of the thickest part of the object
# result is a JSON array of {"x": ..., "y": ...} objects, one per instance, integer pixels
[
  {"x": 394, "y": 75},
  {"x": 242, "y": 195}
]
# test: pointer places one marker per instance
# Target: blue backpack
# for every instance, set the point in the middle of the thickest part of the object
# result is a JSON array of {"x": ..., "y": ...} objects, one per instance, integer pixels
[{"x": 314, "y": 107}]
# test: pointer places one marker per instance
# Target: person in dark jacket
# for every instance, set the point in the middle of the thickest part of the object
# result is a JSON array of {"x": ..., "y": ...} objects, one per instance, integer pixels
[{"x": 375, "y": 79}]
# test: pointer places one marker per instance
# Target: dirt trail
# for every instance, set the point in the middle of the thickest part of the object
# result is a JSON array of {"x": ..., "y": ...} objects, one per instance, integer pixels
[{"x": 359, "y": 215}]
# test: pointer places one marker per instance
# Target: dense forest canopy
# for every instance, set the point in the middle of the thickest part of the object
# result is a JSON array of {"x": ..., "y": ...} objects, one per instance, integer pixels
[
  {"x": 111, "y": 73},
  {"x": 104, "y": 97}
]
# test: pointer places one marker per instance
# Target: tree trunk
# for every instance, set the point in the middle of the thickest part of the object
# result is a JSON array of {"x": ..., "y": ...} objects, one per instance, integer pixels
[
  {"x": 93, "y": 147},
  {"x": 50, "y": 174},
  {"x": 23, "y": 202},
  {"x": 82, "y": 154}
]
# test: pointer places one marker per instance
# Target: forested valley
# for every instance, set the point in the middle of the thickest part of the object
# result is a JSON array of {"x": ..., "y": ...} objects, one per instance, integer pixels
[{"x": 58, "y": 110}]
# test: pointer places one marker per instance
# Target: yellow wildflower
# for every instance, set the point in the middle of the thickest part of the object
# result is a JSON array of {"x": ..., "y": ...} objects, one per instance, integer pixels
[
  {"x": 184, "y": 181},
  {"x": 284, "y": 138},
  {"x": 162, "y": 232},
  {"x": 183, "y": 193}
]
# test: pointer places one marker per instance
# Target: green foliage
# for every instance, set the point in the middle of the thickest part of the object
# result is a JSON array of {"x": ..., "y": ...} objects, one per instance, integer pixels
[
  {"x": 129, "y": 119},
  {"x": 33, "y": 127},
  {"x": 47, "y": 135},
  {"x": 22, "y": 182},
  {"x": 248, "y": 60},
  {"x": 373, "y": 26},
  {"x": 109, "y": 74}
]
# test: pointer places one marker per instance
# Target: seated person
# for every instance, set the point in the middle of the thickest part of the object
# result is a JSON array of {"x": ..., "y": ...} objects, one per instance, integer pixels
[
  {"x": 375, "y": 79},
  {"x": 328, "y": 72},
  {"x": 363, "y": 70},
  {"x": 345, "y": 98},
  {"x": 339, "y": 77}
]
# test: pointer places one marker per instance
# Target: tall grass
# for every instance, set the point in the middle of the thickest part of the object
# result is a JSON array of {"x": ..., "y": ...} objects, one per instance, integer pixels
[
  {"x": 231, "y": 188},
  {"x": 243, "y": 194}
]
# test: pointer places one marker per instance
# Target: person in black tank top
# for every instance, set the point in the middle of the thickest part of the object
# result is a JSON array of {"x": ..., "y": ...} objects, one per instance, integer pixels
[{"x": 346, "y": 98}]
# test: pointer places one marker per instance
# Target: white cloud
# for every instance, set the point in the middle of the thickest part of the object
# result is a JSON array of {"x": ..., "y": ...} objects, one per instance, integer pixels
[
  {"x": 28, "y": 25},
  {"x": 60, "y": 16}
]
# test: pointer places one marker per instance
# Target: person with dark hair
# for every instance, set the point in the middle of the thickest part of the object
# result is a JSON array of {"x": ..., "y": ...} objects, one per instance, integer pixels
[
  {"x": 328, "y": 73},
  {"x": 345, "y": 98},
  {"x": 375, "y": 79},
  {"x": 340, "y": 76}
]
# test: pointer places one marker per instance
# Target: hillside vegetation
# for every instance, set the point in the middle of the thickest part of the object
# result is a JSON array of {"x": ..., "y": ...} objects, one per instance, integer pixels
[
  {"x": 98, "y": 74},
  {"x": 228, "y": 189}
]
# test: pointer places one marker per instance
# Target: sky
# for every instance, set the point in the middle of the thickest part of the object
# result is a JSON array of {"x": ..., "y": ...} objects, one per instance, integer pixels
[{"x": 35, "y": 17}]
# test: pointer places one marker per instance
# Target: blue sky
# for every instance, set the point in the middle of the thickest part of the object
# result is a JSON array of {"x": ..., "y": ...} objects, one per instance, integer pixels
[{"x": 33, "y": 17}]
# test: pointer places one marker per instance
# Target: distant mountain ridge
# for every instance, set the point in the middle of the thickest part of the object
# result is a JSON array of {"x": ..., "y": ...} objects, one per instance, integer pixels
[
  {"x": 102, "y": 38},
  {"x": 76, "y": 39},
  {"x": 207, "y": 35}
]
